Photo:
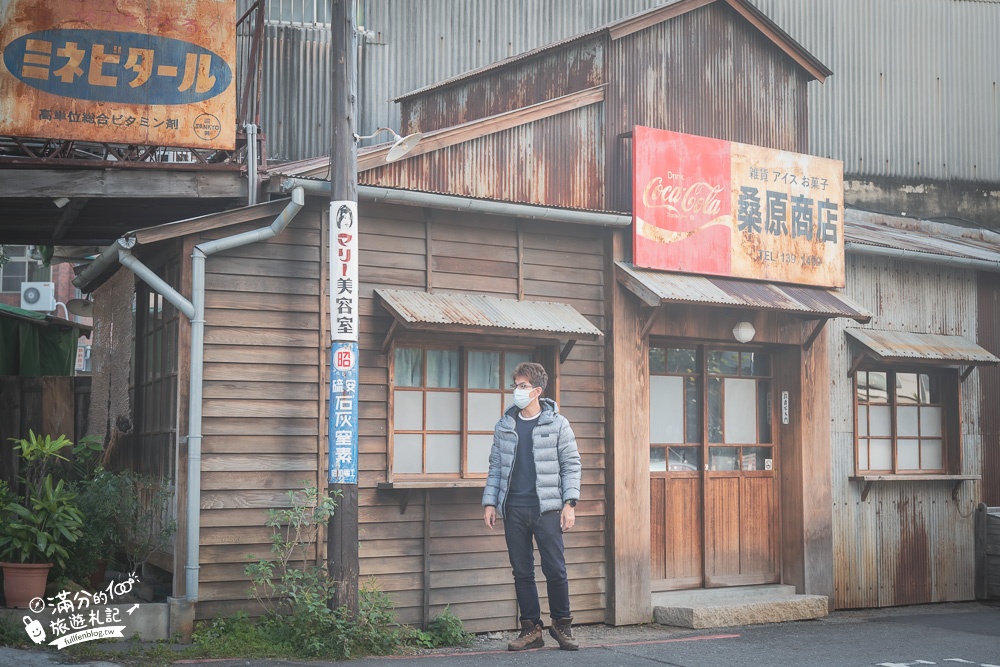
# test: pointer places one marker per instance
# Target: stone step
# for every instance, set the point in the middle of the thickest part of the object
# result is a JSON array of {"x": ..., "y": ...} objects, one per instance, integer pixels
[
  {"x": 718, "y": 612},
  {"x": 702, "y": 596}
]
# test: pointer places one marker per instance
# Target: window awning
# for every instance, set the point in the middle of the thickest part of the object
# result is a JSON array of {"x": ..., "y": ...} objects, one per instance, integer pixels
[
  {"x": 903, "y": 346},
  {"x": 473, "y": 313},
  {"x": 658, "y": 287}
]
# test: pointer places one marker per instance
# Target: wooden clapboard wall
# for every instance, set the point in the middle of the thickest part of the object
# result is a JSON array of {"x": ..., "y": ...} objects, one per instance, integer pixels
[
  {"x": 429, "y": 548},
  {"x": 265, "y": 352}
]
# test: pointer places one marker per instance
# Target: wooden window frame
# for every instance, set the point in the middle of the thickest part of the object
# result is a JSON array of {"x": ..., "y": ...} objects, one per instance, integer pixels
[
  {"x": 545, "y": 352},
  {"x": 702, "y": 376},
  {"x": 951, "y": 406}
]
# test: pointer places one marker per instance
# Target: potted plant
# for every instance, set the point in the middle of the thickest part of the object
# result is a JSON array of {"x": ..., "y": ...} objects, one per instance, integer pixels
[{"x": 39, "y": 522}]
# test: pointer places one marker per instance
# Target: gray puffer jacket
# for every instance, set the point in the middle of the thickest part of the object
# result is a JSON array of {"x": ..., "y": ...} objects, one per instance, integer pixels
[{"x": 557, "y": 460}]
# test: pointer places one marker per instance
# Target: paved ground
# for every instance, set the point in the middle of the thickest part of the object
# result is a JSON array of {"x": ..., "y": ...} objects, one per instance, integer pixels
[{"x": 950, "y": 635}]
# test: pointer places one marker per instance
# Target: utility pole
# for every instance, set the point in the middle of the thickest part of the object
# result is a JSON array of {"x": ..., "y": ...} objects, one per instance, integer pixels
[{"x": 342, "y": 536}]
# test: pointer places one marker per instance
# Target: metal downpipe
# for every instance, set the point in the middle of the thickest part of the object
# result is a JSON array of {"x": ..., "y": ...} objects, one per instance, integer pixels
[
  {"x": 469, "y": 205},
  {"x": 198, "y": 257}
]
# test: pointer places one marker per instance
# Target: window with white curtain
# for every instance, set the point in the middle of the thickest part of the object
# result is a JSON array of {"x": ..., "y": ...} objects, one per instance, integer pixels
[{"x": 445, "y": 404}]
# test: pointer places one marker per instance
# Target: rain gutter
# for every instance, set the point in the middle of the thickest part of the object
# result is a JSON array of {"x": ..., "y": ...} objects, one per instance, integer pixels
[
  {"x": 466, "y": 204},
  {"x": 194, "y": 310},
  {"x": 925, "y": 257}
]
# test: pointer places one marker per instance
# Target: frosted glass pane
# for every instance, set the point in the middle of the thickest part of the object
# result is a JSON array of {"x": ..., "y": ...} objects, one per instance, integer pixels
[
  {"x": 479, "y": 453},
  {"x": 484, "y": 370},
  {"x": 931, "y": 453},
  {"x": 862, "y": 420},
  {"x": 740, "y": 426},
  {"x": 407, "y": 455},
  {"x": 879, "y": 420},
  {"x": 666, "y": 409},
  {"x": 906, "y": 421},
  {"x": 930, "y": 421},
  {"x": 444, "y": 452},
  {"x": 484, "y": 411},
  {"x": 863, "y": 454},
  {"x": 408, "y": 409},
  {"x": 909, "y": 454},
  {"x": 444, "y": 411},
  {"x": 442, "y": 368},
  {"x": 880, "y": 455},
  {"x": 409, "y": 367}
]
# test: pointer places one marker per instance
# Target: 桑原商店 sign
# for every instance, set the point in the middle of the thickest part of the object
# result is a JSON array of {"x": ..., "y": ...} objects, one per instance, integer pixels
[
  {"x": 149, "y": 72},
  {"x": 722, "y": 208}
]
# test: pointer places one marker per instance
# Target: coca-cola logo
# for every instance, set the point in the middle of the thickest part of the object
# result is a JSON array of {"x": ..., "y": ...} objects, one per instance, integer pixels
[{"x": 697, "y": 198}]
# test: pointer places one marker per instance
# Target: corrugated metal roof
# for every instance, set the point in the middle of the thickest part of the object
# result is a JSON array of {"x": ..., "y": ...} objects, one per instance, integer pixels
[
  {"x": 422, "y": 310},
  {"x": 921, "y": 236},
  {"x": 902, "y": 345},
  {"x": 656, "y": 287}
]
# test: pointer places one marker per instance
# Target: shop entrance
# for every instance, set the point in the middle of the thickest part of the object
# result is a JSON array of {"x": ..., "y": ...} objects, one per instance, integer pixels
[{"x": 713, "y": 455}]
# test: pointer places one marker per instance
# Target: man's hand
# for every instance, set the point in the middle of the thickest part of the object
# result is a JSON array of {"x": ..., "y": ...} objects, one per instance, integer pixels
[
  {"x": 567, "y": 518},
  {"x": 490, "y": 516}
]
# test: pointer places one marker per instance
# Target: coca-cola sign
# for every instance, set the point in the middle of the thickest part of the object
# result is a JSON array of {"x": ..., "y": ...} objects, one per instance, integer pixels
[{"x": 716, "y": 207}]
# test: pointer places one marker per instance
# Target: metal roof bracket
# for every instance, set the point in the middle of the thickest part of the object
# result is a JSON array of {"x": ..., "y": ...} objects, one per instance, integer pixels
[
  {"x": 858, "y": 360},
  {"x": 652, "y": 314},
  {"x": 390, "y": 335},
  {"x": 968, "y": 371},
  {"x": 567, "y": 348},
  {"x": 815, "y": 333}
]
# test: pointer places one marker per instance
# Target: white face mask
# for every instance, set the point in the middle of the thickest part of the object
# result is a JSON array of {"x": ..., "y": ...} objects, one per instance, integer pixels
[{"x": 522, "y": 397}]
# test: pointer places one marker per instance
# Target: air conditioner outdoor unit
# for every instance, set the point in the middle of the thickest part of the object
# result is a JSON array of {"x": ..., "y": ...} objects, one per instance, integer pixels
[{"x": 38, "y": 296}]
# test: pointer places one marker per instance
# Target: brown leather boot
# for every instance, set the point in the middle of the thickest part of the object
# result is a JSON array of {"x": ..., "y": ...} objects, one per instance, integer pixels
[
  {"x": 530, "y": 637},
  {"x": 562, "y": 632}
]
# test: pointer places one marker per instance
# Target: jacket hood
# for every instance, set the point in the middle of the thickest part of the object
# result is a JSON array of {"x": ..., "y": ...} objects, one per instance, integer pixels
[{"x": 549, "y": 409}]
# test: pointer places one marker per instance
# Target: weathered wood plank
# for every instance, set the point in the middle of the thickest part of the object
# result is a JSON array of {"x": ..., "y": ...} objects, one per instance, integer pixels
[
  {"x": 259, "y": 462},
  {"x": 262, "y": 301},
  {"x": 293, "y": 391},
  {"x": 50, "y": 183},
  {"x": 235, "y": 426},
  {"x": 229, "y": 372},
  {"x": 257, "y": 443},
  {"x": 276, "y": 406},
  {"x": 217, "y": 318},
  {"x": 261, "y": 354}
]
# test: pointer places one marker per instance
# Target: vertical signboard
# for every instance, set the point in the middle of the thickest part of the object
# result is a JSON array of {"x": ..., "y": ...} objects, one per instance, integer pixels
[
  {"x": 343, "y": 405},
  {"x": 717, "y": 207},
  {"x": 343, "y": 421},
  {"x": 148, "y": 72}
]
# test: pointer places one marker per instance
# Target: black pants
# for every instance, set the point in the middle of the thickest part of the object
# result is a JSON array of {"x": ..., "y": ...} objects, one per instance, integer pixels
[{"x": 519, "y": 526}]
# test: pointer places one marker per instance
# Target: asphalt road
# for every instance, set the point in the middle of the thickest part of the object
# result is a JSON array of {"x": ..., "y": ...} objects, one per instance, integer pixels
[{"x": 966, "y": 634}]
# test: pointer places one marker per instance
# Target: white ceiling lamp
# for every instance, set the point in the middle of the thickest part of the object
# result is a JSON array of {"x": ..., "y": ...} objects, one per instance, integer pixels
[
  {"x": 744, "y": 332},
  {"x": 400, "y": 147}
]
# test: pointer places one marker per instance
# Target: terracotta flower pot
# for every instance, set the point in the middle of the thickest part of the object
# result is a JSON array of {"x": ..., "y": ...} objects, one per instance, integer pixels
[{"x": 24, "y": 581}]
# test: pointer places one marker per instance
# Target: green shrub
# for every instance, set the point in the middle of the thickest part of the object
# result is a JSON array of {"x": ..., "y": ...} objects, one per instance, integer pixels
[
  {"x": 445, "y": 630},
  {"x": 295, "y": 591}
]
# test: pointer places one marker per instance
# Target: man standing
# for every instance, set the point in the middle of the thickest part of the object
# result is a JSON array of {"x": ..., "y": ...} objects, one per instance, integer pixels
[{"x": 533, "y": 485}]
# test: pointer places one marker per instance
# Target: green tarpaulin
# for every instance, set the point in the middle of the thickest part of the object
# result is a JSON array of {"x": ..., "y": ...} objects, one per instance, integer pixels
[{"x": 34, "y": 344}]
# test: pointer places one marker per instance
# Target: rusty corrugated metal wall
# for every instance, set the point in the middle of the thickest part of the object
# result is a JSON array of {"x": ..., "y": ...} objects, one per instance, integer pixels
[
  {"x": 989, "y": 337},
  {"x": 555, "y": 161},
  {"x": 575, "y": 67},
  {"x": 914, "y": 91},
  {"x": 908, "y": 542},
  {"x": 667, "y": 77}
]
